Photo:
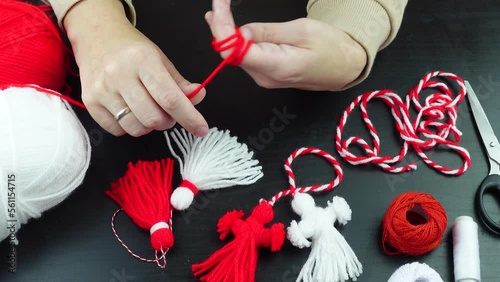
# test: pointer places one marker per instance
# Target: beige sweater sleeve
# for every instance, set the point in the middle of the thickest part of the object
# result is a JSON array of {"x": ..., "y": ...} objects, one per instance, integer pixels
[
  {"x": 372, "y": 23},
  {"x": 61, "y": 7}
]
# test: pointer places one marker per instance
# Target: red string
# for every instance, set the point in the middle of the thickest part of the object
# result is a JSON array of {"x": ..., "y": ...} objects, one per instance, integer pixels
[
  {"x": 46, "y": 91},
  {"x": 239, "y": 46},
  {"x": 435, "y": 121}
]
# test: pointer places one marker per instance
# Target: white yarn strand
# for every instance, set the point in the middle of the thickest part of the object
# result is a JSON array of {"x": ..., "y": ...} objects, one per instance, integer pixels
[
  {"x": 331, "y": 258},
  {"x": 415, "y": 272},
  {"x": 214, "y": 161}
]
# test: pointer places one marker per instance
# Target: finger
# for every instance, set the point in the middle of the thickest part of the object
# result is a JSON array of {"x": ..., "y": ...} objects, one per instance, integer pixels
[
  {"x": 209, "y": 18},
  {"x": 278, "y": 47},
  {"x": 114, "y": 103},
  {"x": 222, "y": 21},
  {"x": 185, "y": 86},
  {"x": 295, "y": 33},
  {"x": 167, "y": 94},
  {"x": 145, "y": 109}
]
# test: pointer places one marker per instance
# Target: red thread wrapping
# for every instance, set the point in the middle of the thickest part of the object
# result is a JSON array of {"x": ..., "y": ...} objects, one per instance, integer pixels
[
  {"x": 435, "y": 121},
  {"x": 189, "y": 185},
  {"x": 239, "y": 48},
  {"x": 401, "y": 232}
]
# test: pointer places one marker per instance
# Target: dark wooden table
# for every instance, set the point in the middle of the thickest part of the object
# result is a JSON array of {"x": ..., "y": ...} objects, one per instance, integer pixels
[{"x": 74, "y": 242}]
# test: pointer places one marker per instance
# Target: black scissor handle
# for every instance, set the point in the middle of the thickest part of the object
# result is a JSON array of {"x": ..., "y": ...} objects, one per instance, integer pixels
[{"x": 490, "y": 184}]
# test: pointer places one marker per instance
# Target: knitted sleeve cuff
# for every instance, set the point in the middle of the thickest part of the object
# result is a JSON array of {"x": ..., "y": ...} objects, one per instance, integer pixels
[
  {"x": 61, "y": 8},
  {"x": 373, "y": 24}
]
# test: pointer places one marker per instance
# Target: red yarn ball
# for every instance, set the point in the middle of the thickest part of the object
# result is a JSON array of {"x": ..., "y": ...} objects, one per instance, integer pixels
[
  {"x": 414, "y": 224},
  {"x": 31, "y": 48}
]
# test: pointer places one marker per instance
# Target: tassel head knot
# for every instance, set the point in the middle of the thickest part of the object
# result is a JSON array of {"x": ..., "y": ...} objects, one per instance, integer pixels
[
  {"x": 162, "y": 237},
  {"x": 183, "y": 196},
  {"x": 263, "y": 213},
  {"x": 302, "y": 203}
]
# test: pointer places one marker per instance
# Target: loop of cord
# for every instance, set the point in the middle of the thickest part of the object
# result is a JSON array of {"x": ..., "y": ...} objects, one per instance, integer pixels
[
  {"x": 291, "y": 176},
  {"x": 435, "y": 121},
  {"x": 161, "y": 260},
  {"x": 239, "y": 47}
]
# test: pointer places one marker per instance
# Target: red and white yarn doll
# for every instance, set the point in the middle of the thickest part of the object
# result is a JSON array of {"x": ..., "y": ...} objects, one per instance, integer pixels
[
  {"x": 214, "y": 161},
  {"x": 331, "y": 258},
  {"x": 434, "y": 123},
  {"x": 45, "y": 150},
  {"x": 237, "y": 260}
]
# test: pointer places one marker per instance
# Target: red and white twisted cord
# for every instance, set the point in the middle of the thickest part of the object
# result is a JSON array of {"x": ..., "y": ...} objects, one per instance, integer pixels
[
  {"x": 434, "y": 122},
  {"x": 314, "y": 188},
  {"x": 160, "y": 260}
]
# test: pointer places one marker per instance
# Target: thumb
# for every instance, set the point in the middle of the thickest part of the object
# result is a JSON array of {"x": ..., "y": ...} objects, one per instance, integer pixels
[{"x": 294, "y": 32}]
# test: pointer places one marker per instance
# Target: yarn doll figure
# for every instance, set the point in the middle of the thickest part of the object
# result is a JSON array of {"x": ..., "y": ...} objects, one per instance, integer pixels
[
  {"x": 331, "y": 258},
  {"x": 237, "y": 261}
]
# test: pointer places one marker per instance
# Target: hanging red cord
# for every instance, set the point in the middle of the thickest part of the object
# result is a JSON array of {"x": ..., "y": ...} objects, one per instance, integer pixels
[{"x": 239, "y": 46}]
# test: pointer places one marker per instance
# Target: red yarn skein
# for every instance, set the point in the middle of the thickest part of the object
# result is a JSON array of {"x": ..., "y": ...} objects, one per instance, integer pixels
[
  {"x": 31, "y": 49},
  {"x": 401, "y": 230}
]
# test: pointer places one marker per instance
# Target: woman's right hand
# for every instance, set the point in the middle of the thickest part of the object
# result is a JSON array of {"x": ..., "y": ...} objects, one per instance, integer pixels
[{"x": 120, "y": 67}]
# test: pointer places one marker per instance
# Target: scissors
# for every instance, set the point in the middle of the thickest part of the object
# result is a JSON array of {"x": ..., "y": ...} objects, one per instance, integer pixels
[{"x": 491, "y": 183}]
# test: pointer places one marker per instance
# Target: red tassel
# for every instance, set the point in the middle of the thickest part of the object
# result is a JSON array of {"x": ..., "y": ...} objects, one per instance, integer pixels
[
  {"x": 144, "y": 194},
  {"x": 237, "y": 261}
]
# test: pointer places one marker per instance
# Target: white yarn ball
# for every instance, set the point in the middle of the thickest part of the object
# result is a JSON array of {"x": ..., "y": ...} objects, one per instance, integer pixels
[
  {"x": 45, "y": 147},
  {"x": 415, "y": 272}
]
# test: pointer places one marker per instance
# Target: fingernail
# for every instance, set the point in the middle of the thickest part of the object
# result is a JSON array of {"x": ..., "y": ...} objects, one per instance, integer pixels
[{"x": 201, "y": 131}]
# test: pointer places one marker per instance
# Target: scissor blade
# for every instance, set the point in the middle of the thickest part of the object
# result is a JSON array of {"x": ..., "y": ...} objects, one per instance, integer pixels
[{"x": 483, "y": 125}]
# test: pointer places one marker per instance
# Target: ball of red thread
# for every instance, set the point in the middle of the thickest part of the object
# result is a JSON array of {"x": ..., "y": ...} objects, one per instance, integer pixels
[
  {"x": 413, "y": 224},
  {"x": 31, "y": 48}
]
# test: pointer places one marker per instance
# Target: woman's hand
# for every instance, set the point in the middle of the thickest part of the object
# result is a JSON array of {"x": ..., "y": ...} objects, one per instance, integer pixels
[
  {"x": 120, "y": 67},
  {"x": 304, "y": 53}
]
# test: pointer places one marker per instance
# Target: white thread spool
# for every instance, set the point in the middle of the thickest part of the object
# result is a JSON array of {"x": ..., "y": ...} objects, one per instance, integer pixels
[{"x": 466, "y": 250}]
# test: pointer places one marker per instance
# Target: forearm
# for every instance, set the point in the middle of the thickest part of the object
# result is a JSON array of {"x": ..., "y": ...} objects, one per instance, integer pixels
[
  {"x": 90, "y": 22},
  {"x": 62, "y": 7},
  {"x": 372, "y": 23}
]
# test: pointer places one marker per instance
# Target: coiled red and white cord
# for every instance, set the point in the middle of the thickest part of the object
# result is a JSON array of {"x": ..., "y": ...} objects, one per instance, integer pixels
[{"x": 434, "y": 122}]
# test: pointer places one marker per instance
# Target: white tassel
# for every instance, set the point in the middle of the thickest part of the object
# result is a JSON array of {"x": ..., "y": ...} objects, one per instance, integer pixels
[
  {"x": 331, "y": 258},
  {"x": 214, "y": 161},
  {"x": 415, "y": 272}
]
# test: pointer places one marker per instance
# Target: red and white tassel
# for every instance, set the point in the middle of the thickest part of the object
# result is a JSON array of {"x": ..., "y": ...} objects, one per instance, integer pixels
[
  {"x": 331, "y": 258},
  {"x": 214, "y": 161},
  {"x": 144, "y": 194}
]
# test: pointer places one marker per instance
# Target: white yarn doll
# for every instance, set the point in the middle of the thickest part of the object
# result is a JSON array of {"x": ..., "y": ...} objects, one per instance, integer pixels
[{"x": 331, "y": 258}]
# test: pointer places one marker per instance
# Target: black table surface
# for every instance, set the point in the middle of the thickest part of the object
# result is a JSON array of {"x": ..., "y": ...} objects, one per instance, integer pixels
[{"x": 74, "y": 242}]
